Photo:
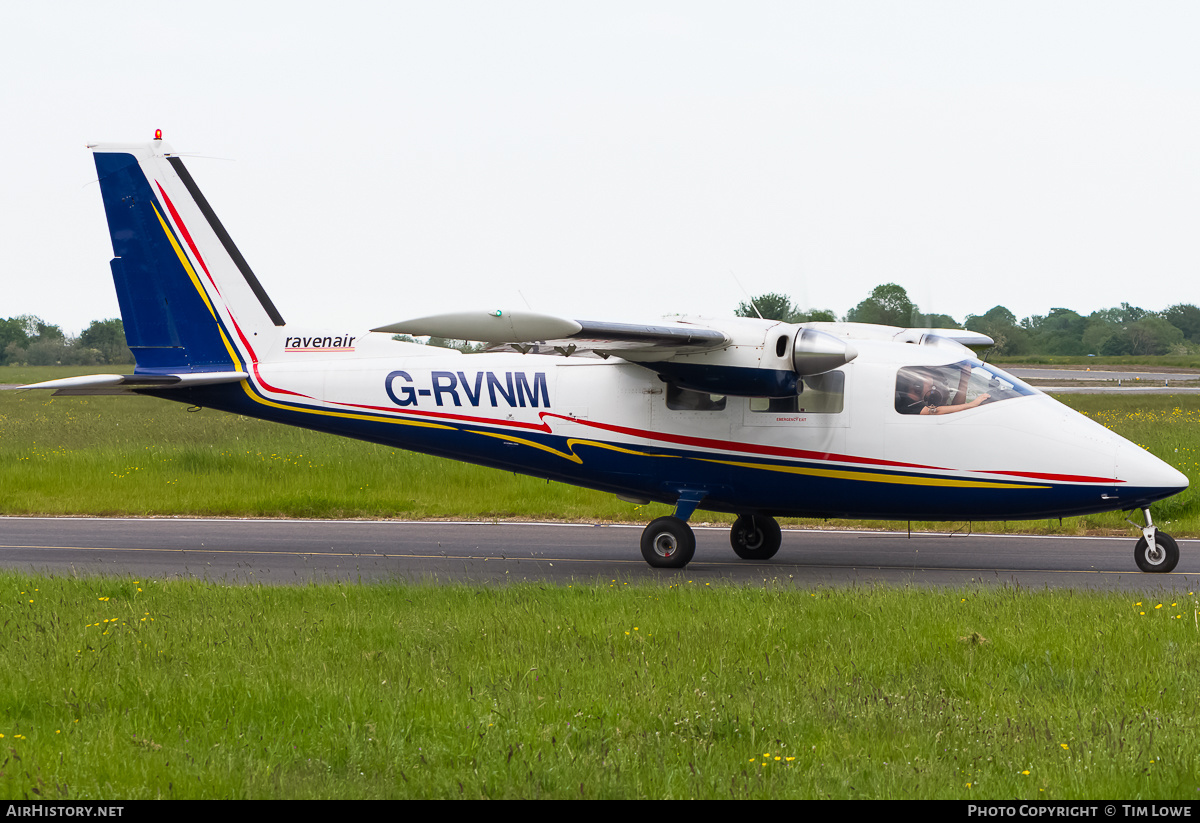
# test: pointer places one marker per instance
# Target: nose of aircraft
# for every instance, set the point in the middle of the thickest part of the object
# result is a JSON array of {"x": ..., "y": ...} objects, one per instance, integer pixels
[{"x": 1146, "y": 478}]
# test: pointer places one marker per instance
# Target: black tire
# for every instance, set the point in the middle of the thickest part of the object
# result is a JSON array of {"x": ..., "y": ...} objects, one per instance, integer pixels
[
  {"x": 668, "y": 543},
  {"x": 1162, "y": 559},
  {"x": 755, "y": 537}
]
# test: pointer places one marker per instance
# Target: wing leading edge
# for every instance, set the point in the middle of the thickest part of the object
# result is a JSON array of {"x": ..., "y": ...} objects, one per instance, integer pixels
[{"x": 633, "y": 341}]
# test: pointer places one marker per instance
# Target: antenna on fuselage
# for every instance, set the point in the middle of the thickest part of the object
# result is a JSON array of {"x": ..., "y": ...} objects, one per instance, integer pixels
[{"x": 749, "y": 299}]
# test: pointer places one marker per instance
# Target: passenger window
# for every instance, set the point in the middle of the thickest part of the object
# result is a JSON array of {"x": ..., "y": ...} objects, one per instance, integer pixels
[
  {"x": 824, "y": 393},
  {"x": 687, "y": 400},
  {"x": 775, "y": 405},
  {"x": 819, "y": 394}
]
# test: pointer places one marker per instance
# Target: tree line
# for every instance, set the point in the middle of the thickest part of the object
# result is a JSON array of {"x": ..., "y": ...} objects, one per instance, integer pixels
[
  {"x": 30, "y": 341},
  {"x": 1123, "y": 330}
]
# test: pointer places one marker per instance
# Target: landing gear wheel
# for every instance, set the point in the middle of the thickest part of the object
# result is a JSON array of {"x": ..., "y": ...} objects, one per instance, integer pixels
[
  {"x": 668, "y": 543},
  {"x": 755, "y": 537},
  {"x": 1159, "y": 559}
]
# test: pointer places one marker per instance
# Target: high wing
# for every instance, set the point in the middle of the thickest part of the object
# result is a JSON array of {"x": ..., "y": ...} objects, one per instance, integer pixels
[
  {"x": 526, "y": 330},
  {"x": 737, "y": 356},
  {"x": 746, "y": 357}
]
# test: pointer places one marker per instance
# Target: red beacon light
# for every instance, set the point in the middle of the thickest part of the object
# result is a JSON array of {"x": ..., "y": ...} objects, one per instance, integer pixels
[{"x": 158, "y": 134}]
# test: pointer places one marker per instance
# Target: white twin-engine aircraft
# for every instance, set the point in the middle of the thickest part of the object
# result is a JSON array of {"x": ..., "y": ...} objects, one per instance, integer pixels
[{"x": 754, "y": 417}]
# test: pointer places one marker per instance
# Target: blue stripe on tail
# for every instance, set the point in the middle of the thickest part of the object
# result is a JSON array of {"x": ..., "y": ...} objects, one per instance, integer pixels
[{"x": 168, "y": 325}]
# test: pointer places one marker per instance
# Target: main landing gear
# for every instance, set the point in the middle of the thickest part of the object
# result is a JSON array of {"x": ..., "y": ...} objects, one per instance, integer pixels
[
  {"x": 670, "y": 543},
  {"x": 1156, "y": 551},
  {"x": 755, "y": 537}
]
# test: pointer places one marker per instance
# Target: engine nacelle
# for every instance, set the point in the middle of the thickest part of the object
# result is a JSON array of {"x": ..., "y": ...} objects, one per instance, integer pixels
[
  {"x": 817, "y": 352},
  {"x": 775, "y": 375}
]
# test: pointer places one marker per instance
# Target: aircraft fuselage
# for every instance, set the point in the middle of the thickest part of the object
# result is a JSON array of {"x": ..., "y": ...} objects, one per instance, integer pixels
[{"x": 612, "y": 426}]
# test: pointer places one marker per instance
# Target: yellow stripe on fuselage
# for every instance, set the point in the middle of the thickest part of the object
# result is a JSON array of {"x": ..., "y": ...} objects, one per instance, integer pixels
[
  {"x": 573, "y": 442},
  {"x": 574, "y": 458},
  {"x": 875, "y": 477},
  {"x": 376, "y": 418}
]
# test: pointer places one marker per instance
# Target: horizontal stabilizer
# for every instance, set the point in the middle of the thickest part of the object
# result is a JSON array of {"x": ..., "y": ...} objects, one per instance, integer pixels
[{"x": 93, "y": 384}]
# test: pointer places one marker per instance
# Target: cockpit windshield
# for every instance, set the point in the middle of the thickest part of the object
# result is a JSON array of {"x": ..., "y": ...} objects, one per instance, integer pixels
[{"x": 956, "y": 387}]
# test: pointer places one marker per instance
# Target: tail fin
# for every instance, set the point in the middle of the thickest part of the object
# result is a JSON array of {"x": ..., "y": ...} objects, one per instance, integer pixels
[{"x": 188, "y": 299}]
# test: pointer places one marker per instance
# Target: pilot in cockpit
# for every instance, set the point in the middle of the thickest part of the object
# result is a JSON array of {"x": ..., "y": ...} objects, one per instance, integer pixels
[{"x": 918, "y": 393}]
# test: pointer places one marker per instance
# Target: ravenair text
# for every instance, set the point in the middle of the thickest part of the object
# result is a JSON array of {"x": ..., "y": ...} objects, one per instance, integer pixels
[
  {"x": 343, "y": 342},
  {"x": 481, "y": 388}
]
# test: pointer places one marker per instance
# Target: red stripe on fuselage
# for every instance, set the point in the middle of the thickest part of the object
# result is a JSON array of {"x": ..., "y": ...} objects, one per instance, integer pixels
[
  {"x": 1061, "y": 478},
  {"x": 777, "y": 451},
  {"x": 751, "y": 448}
]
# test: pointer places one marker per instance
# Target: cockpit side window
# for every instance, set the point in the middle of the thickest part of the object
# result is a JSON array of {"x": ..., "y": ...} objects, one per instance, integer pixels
[{"x": 953, "y": 388}]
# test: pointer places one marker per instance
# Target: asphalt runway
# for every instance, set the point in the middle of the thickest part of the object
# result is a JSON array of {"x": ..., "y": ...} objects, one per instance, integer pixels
[
  {"x": 1082, "y": 381},
  {"x": 296, "y": 552},
  {"x": 1101, "y": 373}
]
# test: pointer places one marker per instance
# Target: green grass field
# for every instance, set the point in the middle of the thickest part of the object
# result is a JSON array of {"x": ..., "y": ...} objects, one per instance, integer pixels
[
  {"x": 123, "y": 688},
  {"x": 135, "y": 688}
]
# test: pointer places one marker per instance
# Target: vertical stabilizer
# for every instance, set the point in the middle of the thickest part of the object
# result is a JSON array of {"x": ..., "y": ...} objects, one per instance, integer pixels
[{"x": 189, "y": 300}]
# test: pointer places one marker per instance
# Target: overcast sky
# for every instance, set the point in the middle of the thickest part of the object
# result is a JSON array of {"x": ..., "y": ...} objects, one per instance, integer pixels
[{"x": 619, "y": 160}]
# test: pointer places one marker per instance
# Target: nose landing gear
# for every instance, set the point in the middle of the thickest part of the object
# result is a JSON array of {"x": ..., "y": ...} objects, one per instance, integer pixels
[{"x": 1156, "y": 552}]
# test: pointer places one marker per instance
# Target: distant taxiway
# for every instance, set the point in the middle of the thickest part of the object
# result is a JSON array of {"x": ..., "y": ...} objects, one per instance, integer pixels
[{"x": 1099, "y": 380}]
